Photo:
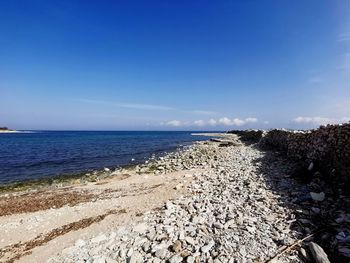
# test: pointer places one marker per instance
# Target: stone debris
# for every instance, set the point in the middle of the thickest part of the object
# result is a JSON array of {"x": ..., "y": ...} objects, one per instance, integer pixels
[
  {"x": 322, "y": 161},
  {"x": 326, "y": 149},
  {"x": 243, "y": 206}
]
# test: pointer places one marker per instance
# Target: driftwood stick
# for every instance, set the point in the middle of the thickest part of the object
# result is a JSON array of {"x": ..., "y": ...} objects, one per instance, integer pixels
[{"x": 289, "y": 248}]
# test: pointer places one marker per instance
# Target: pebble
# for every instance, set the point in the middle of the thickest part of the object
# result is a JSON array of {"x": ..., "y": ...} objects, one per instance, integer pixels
[
  {"x": 161, "y": 253},
  {"x": 80, "y": 243},
  {"x": 136, "y": 258},
  {"x": 208, "y": 247},
  {"x": 190, "y": 259},
  {"x": 99, "y": 238},
  {"x": 190, "y": 240},
  {"x": 175, "y": 259},
  {"x": 140, "y": 228}
]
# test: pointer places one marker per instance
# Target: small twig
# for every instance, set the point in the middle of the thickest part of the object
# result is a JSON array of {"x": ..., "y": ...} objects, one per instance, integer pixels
[{"x": 289, "y": 248}]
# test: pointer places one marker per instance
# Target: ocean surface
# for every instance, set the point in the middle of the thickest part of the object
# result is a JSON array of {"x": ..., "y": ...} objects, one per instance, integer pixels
[{"x": 43, "y": 154}]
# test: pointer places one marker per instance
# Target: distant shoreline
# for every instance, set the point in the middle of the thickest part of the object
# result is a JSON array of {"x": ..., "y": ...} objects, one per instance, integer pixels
[{"x": 9, "y": 131}]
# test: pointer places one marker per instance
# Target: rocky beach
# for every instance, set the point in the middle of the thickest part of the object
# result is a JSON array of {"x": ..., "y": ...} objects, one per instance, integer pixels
[
  {"x": 174, "y": 131},
  {"x": 227, "y": 199}
]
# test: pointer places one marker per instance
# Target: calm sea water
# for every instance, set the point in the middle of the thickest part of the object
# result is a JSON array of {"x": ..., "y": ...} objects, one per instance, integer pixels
[{"x": 45, "y": 154}]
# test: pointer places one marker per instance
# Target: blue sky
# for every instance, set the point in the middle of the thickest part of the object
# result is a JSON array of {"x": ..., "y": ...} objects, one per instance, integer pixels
[{"x": 183, "y": 65}]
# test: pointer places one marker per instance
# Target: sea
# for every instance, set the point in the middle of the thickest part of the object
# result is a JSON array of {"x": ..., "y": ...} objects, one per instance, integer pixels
[{"x": 45, "y": 154}]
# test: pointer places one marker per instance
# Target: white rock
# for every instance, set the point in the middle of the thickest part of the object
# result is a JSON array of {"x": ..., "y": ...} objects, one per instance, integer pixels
[
  {"x": 68, "y": 250},
  {"x": 190, "y": 240},
  {"x": 99, "y": 238},
  {"x": 136, "y": 258},
  {"x": 110, "y": 260},
  {"x": 251, "y": 229},
  {"x": 242, "y": 251},
  {"x": 175, "y": 259},
  {"x": 80, "y": 243},
  {"x": 161, "y": 253},
  {"x": 122, "y": 253},
  {"x": 230, "y": 223},
  {"x": 112, "y": 235},
  {"x": 141, "y": 228},
  {"x": 99, "y": 259},
  {"x": 208, "y": 247},
  {"x": 130, "y": 252}
]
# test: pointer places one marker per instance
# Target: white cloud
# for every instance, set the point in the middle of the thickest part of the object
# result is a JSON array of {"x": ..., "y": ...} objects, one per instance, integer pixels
[
  {"x": 225, "y": 121},
  {"x": 212, "y": 122},
  {"x": 251, "y": 120},
  {"x": 312, "y": 120},
  {"x": 174, "y": 123},
  {"x": 236, "y": 122},
  {"x": 316, "y": 121},
  {"x": 199, "y": 123}
]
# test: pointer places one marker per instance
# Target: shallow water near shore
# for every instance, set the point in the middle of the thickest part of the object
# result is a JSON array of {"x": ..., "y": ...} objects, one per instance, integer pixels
[{"x": 46, "y": 154}]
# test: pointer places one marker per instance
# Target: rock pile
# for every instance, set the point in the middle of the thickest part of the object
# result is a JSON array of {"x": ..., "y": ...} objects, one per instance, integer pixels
[
  {"x": 328, "y": 148},
  {"x": 231, "y": 214},
  {"x": 248, "y": 135},
  {"x": 190, "y": 157},
  {"x": 185, "y": 158},
  {"x": 322, "y": 155}
]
